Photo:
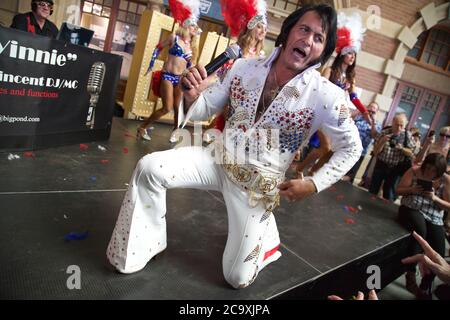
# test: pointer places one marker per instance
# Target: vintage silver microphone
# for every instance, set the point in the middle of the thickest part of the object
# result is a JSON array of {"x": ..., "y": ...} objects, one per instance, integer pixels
[{"x": 94, "y": 86}]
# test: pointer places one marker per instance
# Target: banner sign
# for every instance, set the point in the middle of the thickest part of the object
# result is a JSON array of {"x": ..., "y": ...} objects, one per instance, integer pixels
[{"x": 53, "y": 93}]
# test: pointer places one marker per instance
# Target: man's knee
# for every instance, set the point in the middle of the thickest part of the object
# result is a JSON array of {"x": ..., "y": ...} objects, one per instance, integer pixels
[{"x": 151, "y": 164}]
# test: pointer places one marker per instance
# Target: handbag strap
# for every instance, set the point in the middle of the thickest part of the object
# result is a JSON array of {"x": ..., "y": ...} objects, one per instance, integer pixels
[{"x": 404, "y": 141}]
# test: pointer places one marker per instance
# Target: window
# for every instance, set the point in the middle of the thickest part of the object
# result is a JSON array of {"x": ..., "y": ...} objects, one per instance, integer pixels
[
  {"x": 101, "y": 8},
  {"x": 444, "y": 117},
  {"x": 97, "y": 14},
  {"x": 292, "y": 5},
  {"x": 424, "y": 109},
  {"x": 433, "y": 49},
  {"x": 130, "y": 12},
  {"x": 285, "y": 5}
]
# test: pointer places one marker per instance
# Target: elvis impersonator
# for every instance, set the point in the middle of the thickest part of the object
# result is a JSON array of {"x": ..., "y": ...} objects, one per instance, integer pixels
[{"x": 283, "y": 94}]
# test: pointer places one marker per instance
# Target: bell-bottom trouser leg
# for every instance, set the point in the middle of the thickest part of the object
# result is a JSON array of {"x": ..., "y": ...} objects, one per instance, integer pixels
[{"x": 140, "y": 231}]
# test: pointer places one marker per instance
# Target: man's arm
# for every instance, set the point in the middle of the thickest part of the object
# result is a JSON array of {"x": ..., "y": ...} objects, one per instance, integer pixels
[
  {"x": 345, "y": 143},
  {"x": 380, "y": 143},
  {"x": 203, "y": 98},
  {"x": 347, "y": 148},
  {"x": 19, "y": 22},
  {"x": 374, "y": 129}
]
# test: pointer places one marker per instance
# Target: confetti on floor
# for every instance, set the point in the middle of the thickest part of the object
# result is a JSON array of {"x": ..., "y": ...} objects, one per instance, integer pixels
[
  {"x": 93, "y": 178},
  {"x": 129, "y": 135},
  {"x": 28, "y": 154},
  {"x": 340, "y": 197},
  {"x": 360, "y": 208},
  {"x": 76, "y": 236},
  {"x": 104, "y": 161},
  {"x": 349, "y": 221},
  {"x": 83, "y": 146},
  {"x": 350, "y": 209},
  {"x": 12, "y": 156},
  {"x": 102, "y": 148},
  {"x": 125, "y": 150}
]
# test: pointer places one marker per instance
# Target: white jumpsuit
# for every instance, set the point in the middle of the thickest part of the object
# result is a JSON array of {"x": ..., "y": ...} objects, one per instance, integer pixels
[{"x": 306, "y": 103}]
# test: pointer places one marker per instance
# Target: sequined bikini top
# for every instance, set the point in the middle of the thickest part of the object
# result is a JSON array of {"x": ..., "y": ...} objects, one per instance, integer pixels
[{"x": 177, "y": 51}]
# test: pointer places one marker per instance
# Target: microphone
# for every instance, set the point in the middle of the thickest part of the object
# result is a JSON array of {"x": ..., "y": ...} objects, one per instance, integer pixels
[
  {"x": 94, "y": 86},
  {"x": 231, "y": 53}
]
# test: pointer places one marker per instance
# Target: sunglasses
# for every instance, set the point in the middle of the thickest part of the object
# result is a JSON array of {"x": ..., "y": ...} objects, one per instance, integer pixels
[{"x": 44, "y": 4}]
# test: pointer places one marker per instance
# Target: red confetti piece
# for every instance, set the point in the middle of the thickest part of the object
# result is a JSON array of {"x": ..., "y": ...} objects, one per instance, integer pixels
[
  {"x": 340, "y": 197},
  {"x": 104, "y": 161},
  {"x": 28, "y": 154},
  {"x": 351, "y": 209},
  {"x": 83, "y": 146},
  {"x": 125, "y": 150},
  {"x": 349, "y": 221}
]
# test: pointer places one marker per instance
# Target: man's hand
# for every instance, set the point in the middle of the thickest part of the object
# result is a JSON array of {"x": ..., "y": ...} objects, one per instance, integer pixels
[
  {"x": 297, "y": 189},
  {"x": 431, "y": 261},
  {"x": 194, "y": 82},
  {"x": 385, "y": 138},
  {"x": 360, "y": 296},
  {"x": 368, "y": 118}
]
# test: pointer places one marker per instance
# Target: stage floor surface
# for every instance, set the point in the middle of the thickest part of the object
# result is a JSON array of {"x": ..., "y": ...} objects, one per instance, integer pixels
[{"x": 50, "y": 194}]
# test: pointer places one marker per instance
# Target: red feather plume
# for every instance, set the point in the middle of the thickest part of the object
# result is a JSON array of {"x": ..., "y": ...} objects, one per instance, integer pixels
[
  {"x": 179, "y": 11},
  {"x": 237, "y": 13},
  {"x": 343, "y": 39}
]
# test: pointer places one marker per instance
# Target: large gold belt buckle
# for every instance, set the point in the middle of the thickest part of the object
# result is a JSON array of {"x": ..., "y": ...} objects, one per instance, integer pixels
[
  {"x": 242, "y": 174},
  {"x": 267, "y": 184}
]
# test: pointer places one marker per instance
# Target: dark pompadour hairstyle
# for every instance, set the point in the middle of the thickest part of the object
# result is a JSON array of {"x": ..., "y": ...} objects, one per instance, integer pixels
[
  {"x": 329, "y": 24},
  {"x": 437, "y": 161}
]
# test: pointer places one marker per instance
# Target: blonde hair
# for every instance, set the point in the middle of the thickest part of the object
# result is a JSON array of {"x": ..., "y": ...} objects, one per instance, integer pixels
[
  {"x": 444, "y": 130},
  {"x": 245, "y": 39},
  {"x": 185, "y": 33}
]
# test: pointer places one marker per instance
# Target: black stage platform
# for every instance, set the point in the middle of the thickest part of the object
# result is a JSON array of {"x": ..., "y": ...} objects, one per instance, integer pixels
[{"x": 52, "y": 193}]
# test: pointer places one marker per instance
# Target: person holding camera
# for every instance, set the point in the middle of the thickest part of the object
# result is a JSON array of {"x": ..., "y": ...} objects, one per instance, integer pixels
[
  {"x": 426, "y": 195},
  {"x": 393, "y": 150}
]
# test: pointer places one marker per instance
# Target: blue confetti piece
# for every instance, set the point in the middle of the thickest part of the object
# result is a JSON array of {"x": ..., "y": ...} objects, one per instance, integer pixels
[
  {"x": 93, "y": 178},
  {"x": 76, "y": 236}
]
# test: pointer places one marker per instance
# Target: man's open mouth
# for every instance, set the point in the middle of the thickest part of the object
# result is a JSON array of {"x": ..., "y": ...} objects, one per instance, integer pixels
[{"x": 300, "y": 52}]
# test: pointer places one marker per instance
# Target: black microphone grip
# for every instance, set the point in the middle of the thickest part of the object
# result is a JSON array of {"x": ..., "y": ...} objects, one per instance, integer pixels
[{"x": 214, "y": 65}]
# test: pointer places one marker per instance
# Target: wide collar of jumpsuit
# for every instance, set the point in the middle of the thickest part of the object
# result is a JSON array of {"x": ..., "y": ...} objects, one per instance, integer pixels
[{"x": 289, "y": 112}]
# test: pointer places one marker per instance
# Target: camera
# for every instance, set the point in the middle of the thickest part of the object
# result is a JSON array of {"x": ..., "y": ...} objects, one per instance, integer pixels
[{"x": 392, "y": 143}]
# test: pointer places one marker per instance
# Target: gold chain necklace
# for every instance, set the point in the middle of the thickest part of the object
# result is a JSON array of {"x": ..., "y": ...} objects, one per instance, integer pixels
[{"x": 273, "y": 94}]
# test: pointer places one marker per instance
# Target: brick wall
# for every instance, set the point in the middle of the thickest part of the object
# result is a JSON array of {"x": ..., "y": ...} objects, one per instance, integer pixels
[
  {"x": 404, "y": 12},
  {"x": 369, "y": 80},
  {"x": 379, "y": 45}
]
